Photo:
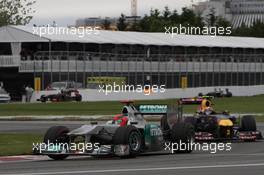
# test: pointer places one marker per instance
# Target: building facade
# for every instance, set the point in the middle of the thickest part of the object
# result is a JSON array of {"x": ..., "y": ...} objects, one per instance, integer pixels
[{"x": 238, "y": 12}]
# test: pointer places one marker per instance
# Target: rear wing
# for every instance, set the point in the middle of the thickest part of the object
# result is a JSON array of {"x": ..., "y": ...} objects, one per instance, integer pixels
[
  {"x": 152, "y": 109},
  {"x": 161, "y": 110},
  {"x": 193, "y": 101}
]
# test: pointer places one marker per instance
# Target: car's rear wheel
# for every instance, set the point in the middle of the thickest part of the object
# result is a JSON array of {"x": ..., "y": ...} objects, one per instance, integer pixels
[
  {"x": 248, "y": 123},
  {"x": 182, "y": 134},
  {"x": 43, "y": 99},
  {"x": 164, "y": 123},
  {"x": 165, "y": 128},
  {"x": 131, "y": 136},
  {"x": 57, "y": 134},
  {"x": 200, "y": 94}
]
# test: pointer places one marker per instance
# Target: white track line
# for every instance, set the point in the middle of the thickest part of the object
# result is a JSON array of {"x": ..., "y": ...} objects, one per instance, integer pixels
[{"x": 142, "y": 169}]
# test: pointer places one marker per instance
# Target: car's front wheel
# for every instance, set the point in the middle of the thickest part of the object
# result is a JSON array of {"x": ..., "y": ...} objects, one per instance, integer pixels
[
  {"x": 131, "y": 136},
  {"x": 248, "y": 123},
  {"x": 57, "y": 134}
]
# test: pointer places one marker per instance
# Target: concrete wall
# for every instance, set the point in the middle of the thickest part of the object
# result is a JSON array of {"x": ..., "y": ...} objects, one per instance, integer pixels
[{"x": 95, "y": 95}]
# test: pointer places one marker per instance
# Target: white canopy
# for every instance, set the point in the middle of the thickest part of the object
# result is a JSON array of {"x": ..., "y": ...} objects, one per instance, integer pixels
[
  {"x": 26, "y": 34},
  {"x": 15, "y": 34}
]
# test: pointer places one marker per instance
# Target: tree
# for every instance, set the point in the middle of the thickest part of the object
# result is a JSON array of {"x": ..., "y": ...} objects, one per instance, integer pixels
[
  {"x": 254, "y": 31},
  {"x": 153, "y": 23},
  {"x": 134, "y": 26},
  {"x": 257, "y": 29},
  {"x": 122, "y": 25},
  {"x": 156, "y": 21},
  {"x": 174, "y": 17},
  {"x": 199, "y": 22},
  {"x": 222, "y": 22},
  {"x": 155, "y": 13},
  {"x": 144, "y": 24},
  {"x": 187, "y": 16},
  {"x": 243, "y": 30},
  {"x": 211, "y": 18},
  {"x": 16, "y": 12},
  {"x": 166, "y": 12}
]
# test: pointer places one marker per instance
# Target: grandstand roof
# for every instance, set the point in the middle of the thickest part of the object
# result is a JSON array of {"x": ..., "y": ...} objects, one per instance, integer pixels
[
  {"x": 27, "y": 34},
  {"x": 17, "y": 34}
]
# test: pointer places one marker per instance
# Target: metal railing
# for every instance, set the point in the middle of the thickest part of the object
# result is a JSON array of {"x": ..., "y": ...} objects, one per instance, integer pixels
[
  {"x": 133, "y": 66},
  {"x": 109, "y": 62},
  {"x": 9, "y": 61}
]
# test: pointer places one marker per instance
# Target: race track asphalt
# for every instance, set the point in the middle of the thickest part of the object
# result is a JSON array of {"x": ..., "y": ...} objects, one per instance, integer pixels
[
  {"x": 36, "y": 126},
  {"x": 243, "y": 159}
]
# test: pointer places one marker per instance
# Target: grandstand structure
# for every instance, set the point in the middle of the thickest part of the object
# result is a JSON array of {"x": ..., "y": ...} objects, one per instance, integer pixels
[
  {"x": 247, "y": 12},
  {"x": 139, "y": 58},
  {"x": 238, "y": 12}
]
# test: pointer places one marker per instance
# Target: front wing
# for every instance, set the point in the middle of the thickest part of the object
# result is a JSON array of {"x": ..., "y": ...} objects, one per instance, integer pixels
[{"x": 239, "y": 136}]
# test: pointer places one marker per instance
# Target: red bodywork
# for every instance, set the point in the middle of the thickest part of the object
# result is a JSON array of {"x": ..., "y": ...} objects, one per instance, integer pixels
[{"x": 121, "y": 119}]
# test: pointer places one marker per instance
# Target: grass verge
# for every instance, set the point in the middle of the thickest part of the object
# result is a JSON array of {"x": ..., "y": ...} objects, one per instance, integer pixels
[
  {"x": 259, "y": 118},
  {"x": 252, "y": 104},
  {"x": 18, "y": 144}
]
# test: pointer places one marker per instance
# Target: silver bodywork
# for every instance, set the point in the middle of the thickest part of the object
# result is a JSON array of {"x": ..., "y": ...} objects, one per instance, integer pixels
[
  {"x": 105, "y": 132},
  {"x": 133, "y": 117}
]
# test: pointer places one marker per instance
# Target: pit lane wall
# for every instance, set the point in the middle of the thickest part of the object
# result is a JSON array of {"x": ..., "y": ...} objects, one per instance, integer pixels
[{"x": 95, "y": 95}]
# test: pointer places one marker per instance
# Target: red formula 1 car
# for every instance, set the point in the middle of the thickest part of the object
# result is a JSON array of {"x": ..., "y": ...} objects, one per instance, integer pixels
[{"x": 64, "y": 95}]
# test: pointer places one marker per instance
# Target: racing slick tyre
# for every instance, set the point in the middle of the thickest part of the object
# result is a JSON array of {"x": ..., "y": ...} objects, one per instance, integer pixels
[
  {"x": 43, "y": 99},
  {"x": 57, "y": 134},
  {"x": 248, "y": 123},
  {"x": 200, "y": 94},
  {"x": 131, "y": 136},
  {"x": 182, "y": 134},
  {"x": 79, "y": 98},
  {"x": 165, "y": 128},
  {"x": 164, "y": 123}
]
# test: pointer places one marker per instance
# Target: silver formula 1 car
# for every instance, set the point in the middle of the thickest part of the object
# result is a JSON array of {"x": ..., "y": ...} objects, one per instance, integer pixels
[{"x": 127, "y": 135}]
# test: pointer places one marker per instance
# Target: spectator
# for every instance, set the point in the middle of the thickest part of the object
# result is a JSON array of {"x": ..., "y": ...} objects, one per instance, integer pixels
[
  {"x": 23, "y": 93},
  {"x": 29, "y": 92}
]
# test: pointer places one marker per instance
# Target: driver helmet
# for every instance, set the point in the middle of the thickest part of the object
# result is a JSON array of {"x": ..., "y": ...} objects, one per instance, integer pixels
[{"x": 206, "y": 105}]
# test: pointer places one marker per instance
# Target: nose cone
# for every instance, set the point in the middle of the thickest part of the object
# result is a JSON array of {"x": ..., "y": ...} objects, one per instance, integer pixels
[{"x": 225, "y": 122}]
